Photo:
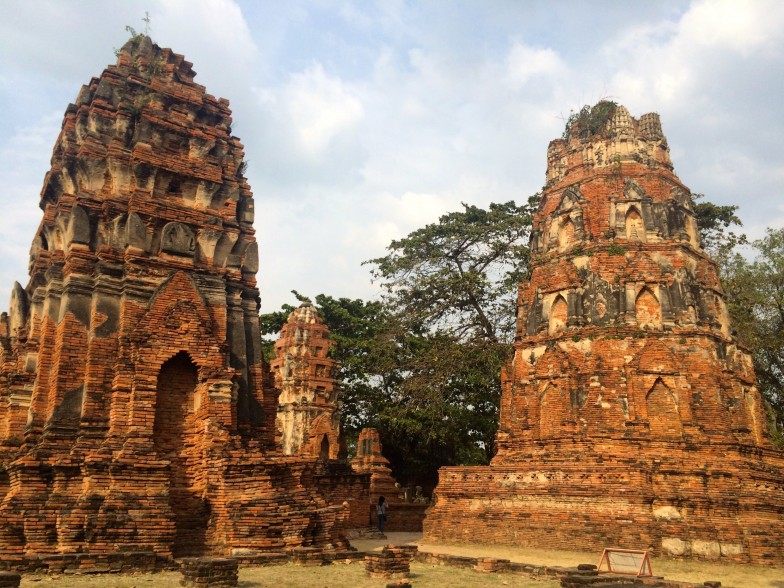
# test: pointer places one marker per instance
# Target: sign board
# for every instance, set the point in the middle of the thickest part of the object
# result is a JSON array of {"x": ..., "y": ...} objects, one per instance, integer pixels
[{"x": 626, "y": 561}]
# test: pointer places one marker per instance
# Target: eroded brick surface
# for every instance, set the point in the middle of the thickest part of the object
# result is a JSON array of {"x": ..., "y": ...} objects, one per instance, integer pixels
[
  {"x": 135, "y": 412},
  {"x": 630, "y": 417}
]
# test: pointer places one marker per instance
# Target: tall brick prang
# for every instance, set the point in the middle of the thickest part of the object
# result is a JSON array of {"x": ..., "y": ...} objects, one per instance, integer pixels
[
  {"x": 630, "y": 415},
  {"x": 308, "y": 418},
  {"x": 135, "y": 411}
]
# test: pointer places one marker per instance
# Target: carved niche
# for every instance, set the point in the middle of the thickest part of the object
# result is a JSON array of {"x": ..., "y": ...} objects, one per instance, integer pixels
[{"x": 178, "y": 239}]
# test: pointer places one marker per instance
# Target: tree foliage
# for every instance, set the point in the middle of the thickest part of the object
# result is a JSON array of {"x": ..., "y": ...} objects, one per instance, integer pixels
[
  {"x": 459, "y": 276},
  {"x": 589, "y": 120},
  {"x": 450, "y": 289},
  {"x": 755, "y": 297},
  {"x": 715, "y": 221}
]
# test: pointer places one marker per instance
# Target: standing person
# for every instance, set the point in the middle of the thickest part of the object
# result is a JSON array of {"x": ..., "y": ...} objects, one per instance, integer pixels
[{"x": 381, "y": 512}]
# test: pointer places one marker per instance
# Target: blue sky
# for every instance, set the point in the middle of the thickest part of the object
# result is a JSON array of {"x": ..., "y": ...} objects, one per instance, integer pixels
[{"x": 363, "y": 121}]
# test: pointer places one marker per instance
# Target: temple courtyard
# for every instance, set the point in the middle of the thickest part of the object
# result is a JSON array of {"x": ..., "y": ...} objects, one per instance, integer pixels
[{"x": 424, "y": 575}]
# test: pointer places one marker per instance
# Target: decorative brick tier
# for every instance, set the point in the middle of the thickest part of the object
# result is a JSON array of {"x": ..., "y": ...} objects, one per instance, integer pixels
[
  {"x": 135, "y": 412},
  {"x": 629, "y": 415},
  {"x": 391, "y": 562},
  {"x": 221, "y": 572}
]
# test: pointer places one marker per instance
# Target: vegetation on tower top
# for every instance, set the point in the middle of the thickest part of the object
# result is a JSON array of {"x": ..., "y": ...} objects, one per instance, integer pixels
[{"x": 589, "y": 120}]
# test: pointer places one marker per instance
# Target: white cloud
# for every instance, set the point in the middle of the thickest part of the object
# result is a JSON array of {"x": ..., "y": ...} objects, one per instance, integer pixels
[
  {"x": 214, "y": 36},
  {"x": 363, "y": 123},
  {"x": 320, "y": 108},
  {"x": 524, "y": 63},
  {"x": 739, "y": 26}
]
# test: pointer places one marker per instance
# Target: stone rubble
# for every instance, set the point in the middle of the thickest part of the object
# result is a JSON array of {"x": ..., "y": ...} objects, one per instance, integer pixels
[
  {"x": 220, "y": 572},
  {"x": 393, "y": 561}
]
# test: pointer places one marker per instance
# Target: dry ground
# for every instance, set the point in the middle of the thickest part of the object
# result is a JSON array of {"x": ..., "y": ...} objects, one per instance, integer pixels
[
  {"x": 353, "y": 575},
  {"x": 291, "y": 576}
]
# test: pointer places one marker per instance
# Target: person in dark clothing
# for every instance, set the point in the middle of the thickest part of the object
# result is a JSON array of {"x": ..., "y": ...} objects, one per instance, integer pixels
[{"x": 381, "y": 512}]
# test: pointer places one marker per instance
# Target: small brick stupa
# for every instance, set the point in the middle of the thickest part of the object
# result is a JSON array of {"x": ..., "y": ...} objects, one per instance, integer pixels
[
  {"x": 370, "y": 460},
  {"x": 308, "y": 419},
  {"x": 134, "y": 413},
  {"x": 630, "y": 416}
]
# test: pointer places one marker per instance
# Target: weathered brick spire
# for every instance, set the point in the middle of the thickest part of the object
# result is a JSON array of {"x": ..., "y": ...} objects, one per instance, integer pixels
[
  {"x": 133, "y": 414},
  {"x": 623, "y": 320},
  {"x": 308, "y": 420},
  {"x": 629, "y": 414}
]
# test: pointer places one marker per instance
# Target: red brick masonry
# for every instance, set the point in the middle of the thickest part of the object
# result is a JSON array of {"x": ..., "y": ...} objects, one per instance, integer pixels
[
  {"x": 136, "y": 415},
  {"x": 630, "y": 416}
]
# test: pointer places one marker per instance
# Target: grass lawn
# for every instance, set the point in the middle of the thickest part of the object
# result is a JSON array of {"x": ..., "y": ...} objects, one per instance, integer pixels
[
  {"x": 291, "y": 576},
  {"x": 422, "y": 575}
]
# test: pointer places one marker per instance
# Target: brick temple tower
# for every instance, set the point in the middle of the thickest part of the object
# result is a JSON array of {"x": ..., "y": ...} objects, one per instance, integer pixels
[
  {"x": 629, "y": 416},
  {"x": 308, "y": 419},
  {"x": 134, "y": 413}
]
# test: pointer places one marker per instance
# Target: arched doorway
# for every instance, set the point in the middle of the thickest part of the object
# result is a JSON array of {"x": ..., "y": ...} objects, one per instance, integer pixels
[
  {"x": 173, "y": 434},
  {"x": 635, "y": 229},
  {"x": 566, "y": 235}
]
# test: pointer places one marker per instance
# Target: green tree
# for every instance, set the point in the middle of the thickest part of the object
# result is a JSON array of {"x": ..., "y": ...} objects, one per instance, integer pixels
[
  {"x": 755, "y": 297},
  {"x": 459, "y": 276},
  {"x": 450, "y": 288},
  {"x": 714, "y": 222}
]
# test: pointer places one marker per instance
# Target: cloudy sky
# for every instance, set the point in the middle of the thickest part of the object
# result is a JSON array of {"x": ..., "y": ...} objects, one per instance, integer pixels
[{"x": 363, "y": 121}]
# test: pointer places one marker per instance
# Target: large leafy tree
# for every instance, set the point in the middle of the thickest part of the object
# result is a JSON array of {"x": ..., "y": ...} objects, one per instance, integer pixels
[
  {"x": 755, "y": 296},
  {"x": 450, "y": 288},
  {"x": 459, "y": 275}
]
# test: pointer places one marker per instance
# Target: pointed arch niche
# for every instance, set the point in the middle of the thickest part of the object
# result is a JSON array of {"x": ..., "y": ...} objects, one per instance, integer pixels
[
  {"x": 553, "y": 410},
  {"x": 647, "y": 309},
  {"x": 558, "y": 315},
  {"x": 635, "y": 228},
  {"x": 566, "y": 234},
  {"x": 324, "y": 448},
  {"x": 663, "y": 416}
]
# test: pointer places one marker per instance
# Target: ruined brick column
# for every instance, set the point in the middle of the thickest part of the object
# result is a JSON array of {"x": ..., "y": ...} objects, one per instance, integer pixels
[
  {"x": 308, "y": 419},
  {"x": 134, "y": 413},
  {"x": 630, "y": 415}
]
